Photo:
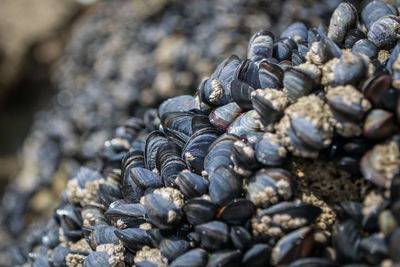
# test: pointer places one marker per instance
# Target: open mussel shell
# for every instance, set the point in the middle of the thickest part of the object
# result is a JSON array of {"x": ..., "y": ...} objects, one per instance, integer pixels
[
  {"x": 225, "y": 185},
  {"x": 200, "y": 210},
  {"x": 223, "y": 116},
  {"x": 297, "y": 244},
  {"x": 193, "y": 258},
  {"x": 134, "y": 238},
  {"x": 214, "y": 235},
  {"x": 196, "y": 148},
  {"x": 237, "y": 212},
  {"x": 260, "y": 46},
  {"x": 191, "y": 185}
]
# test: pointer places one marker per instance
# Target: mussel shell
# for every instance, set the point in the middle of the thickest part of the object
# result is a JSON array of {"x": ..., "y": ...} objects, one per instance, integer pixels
[
  {"x": 247, "y": 72},
  {"x": 297, "y": 83},
  {"x": 352, "y": 36},
  {"x": 180, "y": 121},
  {"x": 200, "y": 210},
  {"x": 374, "y": 248},
  {"x": 132, "y": 215},
  {"x": 161, "y": 212},
  {"x": 374, "y": 11},
  {"x": 173, "y": 247},
  {"x": 59, "y": 254},
  {"x": 296, "y": 244},
  {"x": 145, "y": 178},
  {"x": 375, "y": 87},
  {"x": 378, "y": 124},
  {"x": 270, "y": 153},
  {"x": 196, "y": 148},
  {"x": 245, "y": 123},
  {"x": 178, "y": 103},
  {"x": 214, "y": 235},
  {"x": 343, "y": 18},
  {"x": 241, "y": 238},
  {"x": 97, "y": 258},
  {"x": 102, "y": 234},
  {"x": 260, "y": 45},
  {"x": 365, "y": 47},
  {"x": 347, "y": 242},
  {"x": 297, "y": 31},
  {"x": 193, "y": 258},
  {"x": 225, "y": 185},
  {"x": 153, "y": 142},
  {"x": 257, "y": 256},
  {"x": 223, "y": 116},
  {"x": 237, "y": 212},
  {"x": 384, "y": 30},
  {"x": 225, "y": 258},
  {"x": 241, "y": 94},
  {"x": 191, "y": 185},
  {"x": 313, "y": 262},
  {"x": 219, "y": 153},
  {"x": 270, "y": 75},
  {"x": 134, "y": 238}
]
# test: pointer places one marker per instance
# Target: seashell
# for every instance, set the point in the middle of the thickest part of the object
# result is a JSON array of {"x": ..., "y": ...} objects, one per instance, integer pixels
[
  {"x": 269, "y": 104},
  {"x": 191, "y": 185},
  {"x": 223, "y": 116},
  {"x": 225, "y": 258},
  {"x": 241, "y": 238},
  {"x": 241, "y": 94},
  {"x": 365, "y": 47},
  {"x": 102, "y": 234},
  {"x": 200, "y": 210},
  {"x": 270, "y": 75},
  {"x": 173, "y": 247},
  {"x": 297, "y": 31},
  {"x": 97, "y": 258},
  {"x": 225, "y": 185},
  {"x": 378, "y": 124},
  {"x": 352, "y": 36},
  {"x": 196, "y": 148},
  {"x": 214, "y": 235},
  {"x": 247, "y": 72},
  {"x": 258, "y": 255},
  {"x": 375, "y": 87},
  {"x": 237, "y": 212},
  {"x": 177, "y": 104},
  {"x": 283, "y": 48},
  {"x": 245, "y": 123},
  {"x": 295, "y": 245},
  {"x": 153, "y": 142},
  {"x": 347, "y": 242},
  {"x": 163, "y": 207},
  {"x": 297, "y": 83},
  {"x": 343, "y": 18},
  {"x": 384, "y": 30},
  {"x": 219, "y": 153},
  {"x": 374, "y": 11},
  {"x": 126, "y": 214},
  {"x": 193, "y": 258},
  {"x": 260, "y": 46},
  {"x": 270, "y": 151},
  {"x": 133, "y": 238}
]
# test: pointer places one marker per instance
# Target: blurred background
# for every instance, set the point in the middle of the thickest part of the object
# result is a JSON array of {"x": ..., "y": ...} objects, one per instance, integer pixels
[{"x": 71, "y": 71}]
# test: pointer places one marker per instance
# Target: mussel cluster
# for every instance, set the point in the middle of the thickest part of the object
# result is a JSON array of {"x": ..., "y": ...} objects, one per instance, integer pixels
[{"x": 289, "y": 157}]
